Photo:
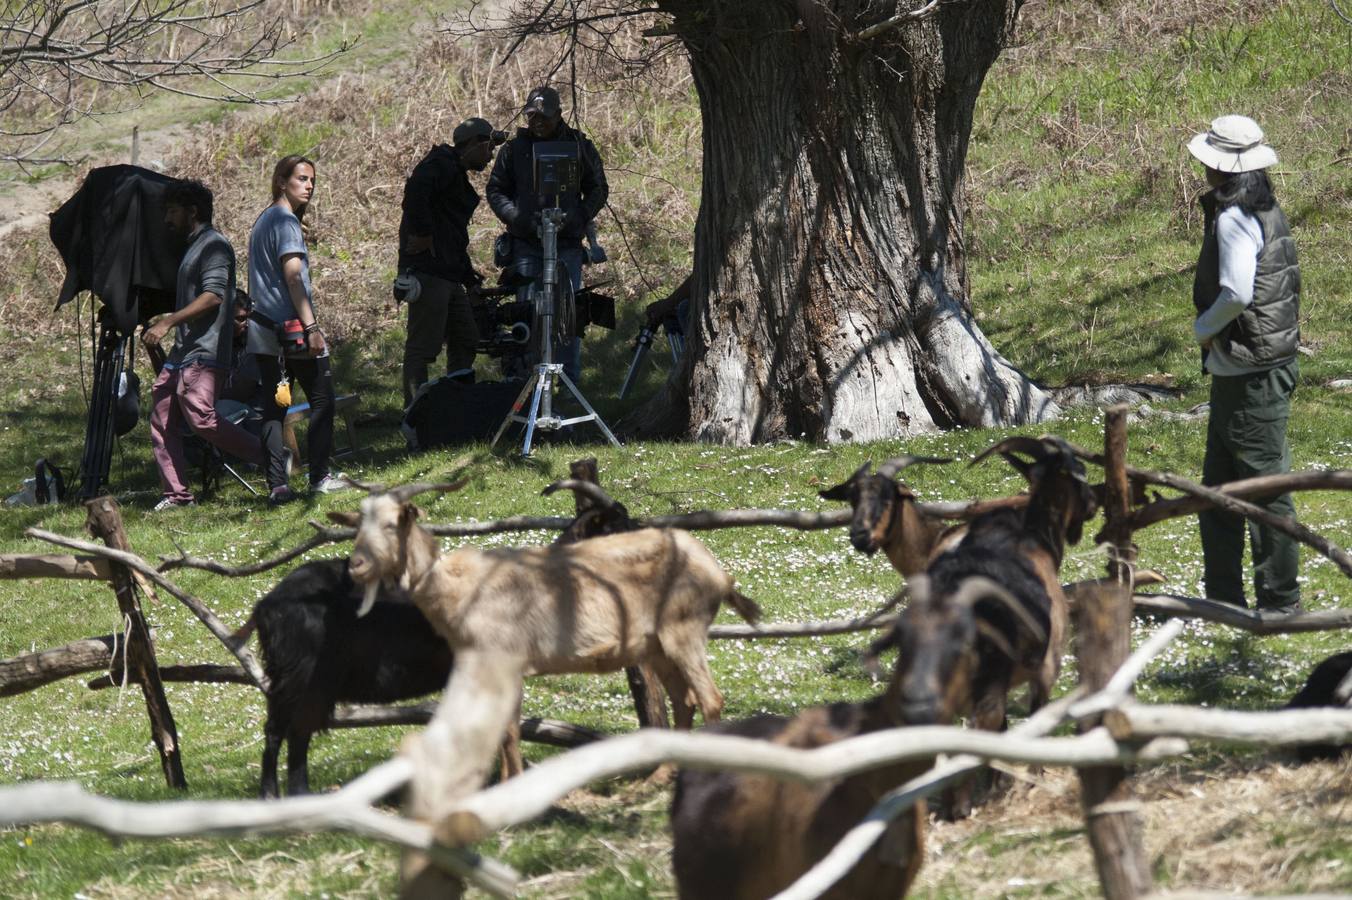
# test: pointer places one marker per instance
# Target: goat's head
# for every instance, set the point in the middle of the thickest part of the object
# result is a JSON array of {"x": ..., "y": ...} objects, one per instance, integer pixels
[
  {"x": 1055, "y": 476},
  {"x": 938, "y": 656},
  {"x": 380, "y": 551},
  {"x": 876, "y": 499}
]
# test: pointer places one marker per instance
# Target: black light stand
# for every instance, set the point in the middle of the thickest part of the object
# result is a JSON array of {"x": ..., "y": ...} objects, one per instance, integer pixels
[
  {"x": 553, "y": 177},
  {"x": 109, "y": 360}
]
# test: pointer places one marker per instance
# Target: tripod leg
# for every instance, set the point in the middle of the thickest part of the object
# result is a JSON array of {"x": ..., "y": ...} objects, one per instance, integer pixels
[
  {"x": 572, "y": 388},
  {"x": 540, "y": 387},
  {"x": 520, "y": 398}
]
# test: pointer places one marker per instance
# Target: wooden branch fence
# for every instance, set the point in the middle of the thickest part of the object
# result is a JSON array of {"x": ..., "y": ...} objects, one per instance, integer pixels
[{"x": 1116, "y": 732}]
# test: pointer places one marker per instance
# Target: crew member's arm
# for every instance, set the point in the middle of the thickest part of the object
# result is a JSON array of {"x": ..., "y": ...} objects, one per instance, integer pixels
[
  {"x": 501, "y": 188},
  {"x": 593, "y": 184},
  {"x": 293, "y": 275},
  {"x": 202, "y": 303},
  {"x": 216, "y": 262},
  {"x": 1241, "y": 239},
  {"x": 425, "y": 183},
  {"x": 666, "y": 308}
]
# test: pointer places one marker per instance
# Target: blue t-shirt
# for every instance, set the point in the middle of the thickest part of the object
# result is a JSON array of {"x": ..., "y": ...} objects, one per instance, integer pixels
[{"x": 275, "y": 234}]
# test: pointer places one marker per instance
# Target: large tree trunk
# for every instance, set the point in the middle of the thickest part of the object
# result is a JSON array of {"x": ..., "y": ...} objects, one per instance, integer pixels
[{"x": 829, "y": 285}]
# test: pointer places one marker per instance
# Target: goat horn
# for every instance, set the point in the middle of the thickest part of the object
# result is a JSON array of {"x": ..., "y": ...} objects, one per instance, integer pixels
[
  {"x": 586, "y": 488},
  {"x": 891, "y": 467},
  {"x": 406, "y": 492},
  {"x": 978, "y": 587},
  {"x": 369, "y": 487},
  {"x": 1019, "y": 443}
]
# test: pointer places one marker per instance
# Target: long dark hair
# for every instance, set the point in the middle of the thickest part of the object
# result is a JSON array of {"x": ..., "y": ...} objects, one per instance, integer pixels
[
  {"x": 282, "y": 171},
  {"x": 1250, "y": 191}
]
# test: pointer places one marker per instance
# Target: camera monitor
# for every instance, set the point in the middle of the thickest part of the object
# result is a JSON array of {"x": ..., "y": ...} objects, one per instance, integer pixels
[{"x": 557, "y": 170}]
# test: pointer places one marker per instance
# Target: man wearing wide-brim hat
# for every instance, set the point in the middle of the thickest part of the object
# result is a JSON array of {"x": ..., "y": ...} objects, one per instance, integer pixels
[{"x": 1247, "y": 296}]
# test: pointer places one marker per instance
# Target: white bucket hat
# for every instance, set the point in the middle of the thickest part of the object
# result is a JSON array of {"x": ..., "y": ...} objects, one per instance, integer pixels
[{"x": 1233, "y": 144}]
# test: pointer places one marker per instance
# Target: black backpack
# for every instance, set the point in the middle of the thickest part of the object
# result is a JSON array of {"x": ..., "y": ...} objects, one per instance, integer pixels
[{"x": 449, "y": 411}]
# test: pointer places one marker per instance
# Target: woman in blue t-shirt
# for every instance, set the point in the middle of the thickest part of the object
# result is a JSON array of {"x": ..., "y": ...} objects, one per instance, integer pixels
[{"x": 279, "y": 282}]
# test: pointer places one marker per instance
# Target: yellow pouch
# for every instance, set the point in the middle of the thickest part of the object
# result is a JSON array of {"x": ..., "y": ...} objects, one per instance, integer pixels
[{"x": 283, "y": 395}]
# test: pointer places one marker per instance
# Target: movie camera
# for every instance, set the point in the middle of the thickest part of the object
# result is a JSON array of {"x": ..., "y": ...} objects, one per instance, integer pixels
[{"x": 556, "y": 167}]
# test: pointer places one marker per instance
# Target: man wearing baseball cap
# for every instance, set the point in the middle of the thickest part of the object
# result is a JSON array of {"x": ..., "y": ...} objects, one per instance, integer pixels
[
  {"x": 511, "y": 194},
  {"x": 1247, "y": 296},
  {"x": 435, "y": 270}
]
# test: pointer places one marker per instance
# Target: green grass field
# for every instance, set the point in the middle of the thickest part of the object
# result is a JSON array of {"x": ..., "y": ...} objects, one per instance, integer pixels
[{"x": 1082, "y": 231}]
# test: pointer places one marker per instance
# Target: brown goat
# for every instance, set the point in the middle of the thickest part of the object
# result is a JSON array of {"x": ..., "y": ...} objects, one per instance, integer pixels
[
  {"x": 888, "y": 518},
  {"x": 747, "y": 837},
  {"x": 979, "y": 651},
  {"x": 642, "y": 597}
]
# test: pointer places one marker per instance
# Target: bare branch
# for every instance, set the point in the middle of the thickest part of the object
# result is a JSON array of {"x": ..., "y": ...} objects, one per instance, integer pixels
[
  {"x": 896, "y": 21},
  {"x": 54, "y": 56},
  {"x": 199, "y": 609},
  {"x": 345, "y": 810},
  {"x": 1277, "y": 728},
  {"x": 1253, "y": 621}
]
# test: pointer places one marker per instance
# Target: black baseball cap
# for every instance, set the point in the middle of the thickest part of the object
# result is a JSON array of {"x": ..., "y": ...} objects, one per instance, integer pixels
[
  {"x": 544, "y": 100},
  {"x": 470, "y": 129}
]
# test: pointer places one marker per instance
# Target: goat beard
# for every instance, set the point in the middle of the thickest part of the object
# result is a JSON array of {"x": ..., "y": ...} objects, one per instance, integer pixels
[{"x": 368, "y": 599}]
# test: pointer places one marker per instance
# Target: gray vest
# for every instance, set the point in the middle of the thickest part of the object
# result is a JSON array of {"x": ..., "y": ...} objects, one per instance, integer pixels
[{"x": 1268, "y": 332}]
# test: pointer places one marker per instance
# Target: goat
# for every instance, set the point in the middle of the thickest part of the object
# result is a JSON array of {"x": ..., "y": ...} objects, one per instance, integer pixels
[
  {"x": 1319, "y": 690},
  {"x": 967, "y": 657},
  {"x": 316, "y": 654},
  {"x": 746, "y": 837},
  {"x": 887, "y": 518},
  {"x": 640, "y": 597}
]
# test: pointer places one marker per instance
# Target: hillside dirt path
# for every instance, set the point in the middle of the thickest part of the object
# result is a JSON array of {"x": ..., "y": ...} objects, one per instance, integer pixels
[{"x": 26, "y": 203}]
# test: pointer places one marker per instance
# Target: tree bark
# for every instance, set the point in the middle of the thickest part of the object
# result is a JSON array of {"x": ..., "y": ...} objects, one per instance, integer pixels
[
  {"x": 829, "y": 293},
  {"x": 105, "y": 523}
]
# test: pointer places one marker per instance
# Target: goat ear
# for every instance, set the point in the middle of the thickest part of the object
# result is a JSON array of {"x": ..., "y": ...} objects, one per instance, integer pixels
[
  {"x": 410, "y": 513},
  {"x": 346, "y": 519},
  {"x": 839, "y": 492},
  {"x": 842, "y": 490}
]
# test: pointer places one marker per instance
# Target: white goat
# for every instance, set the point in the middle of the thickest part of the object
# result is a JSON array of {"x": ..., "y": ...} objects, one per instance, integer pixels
[{"x": 641, "y": 597}]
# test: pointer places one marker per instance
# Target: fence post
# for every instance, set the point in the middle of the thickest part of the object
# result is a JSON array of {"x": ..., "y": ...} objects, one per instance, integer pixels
[
  {"x": 1103, "y": 642},
  {"x": 105, "y": 523}
]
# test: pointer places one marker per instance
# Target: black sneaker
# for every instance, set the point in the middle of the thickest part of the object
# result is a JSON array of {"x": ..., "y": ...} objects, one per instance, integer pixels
[
  {"x": 281, "y": 495},
  {"x": 1284, "y": 609},
  {"x": 167, "y": 503}
]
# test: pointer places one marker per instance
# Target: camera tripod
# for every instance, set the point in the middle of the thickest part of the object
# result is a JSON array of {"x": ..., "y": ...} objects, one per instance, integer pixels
[{"x": 539, "y": 414}]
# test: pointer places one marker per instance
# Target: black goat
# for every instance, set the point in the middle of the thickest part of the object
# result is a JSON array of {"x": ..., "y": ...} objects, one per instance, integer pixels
[
  {"x": 967, "y": 656},
  {"x": 1318, "y": 691},
  {"x": 316, "y": 653}
]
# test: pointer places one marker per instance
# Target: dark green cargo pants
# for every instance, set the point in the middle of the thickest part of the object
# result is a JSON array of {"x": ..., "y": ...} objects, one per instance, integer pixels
[{"x": 1246, "y": 437}]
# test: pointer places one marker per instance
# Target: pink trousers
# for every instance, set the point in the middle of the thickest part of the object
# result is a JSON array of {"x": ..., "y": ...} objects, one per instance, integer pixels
[{"x": 188, "y": 395}]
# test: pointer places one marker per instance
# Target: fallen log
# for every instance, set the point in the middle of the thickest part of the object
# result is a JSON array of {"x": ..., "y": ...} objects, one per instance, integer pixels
[
  {"x": 32, "y": 670},
  {"x": 54, "y": 565}
]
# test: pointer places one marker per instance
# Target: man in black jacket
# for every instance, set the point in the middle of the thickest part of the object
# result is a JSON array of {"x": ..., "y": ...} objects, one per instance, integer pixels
[
  {"x": 511, "y": 194},
  {"x": 434, "y": 247}
]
